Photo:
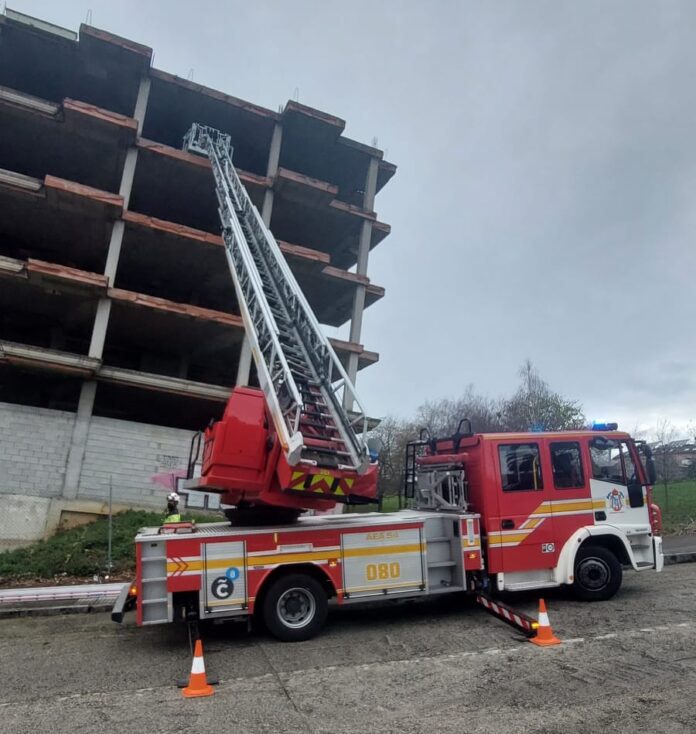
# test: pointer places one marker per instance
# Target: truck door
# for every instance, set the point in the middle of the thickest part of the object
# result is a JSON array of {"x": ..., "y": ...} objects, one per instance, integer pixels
[
  {"x": 522, "y": 535},
  {"x": 572, "y": 503},
  {"x": 617, "y": 491}
]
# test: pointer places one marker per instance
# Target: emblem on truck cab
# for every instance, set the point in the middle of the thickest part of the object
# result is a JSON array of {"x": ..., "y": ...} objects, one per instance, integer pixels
[{"x": 616, "y": 500}]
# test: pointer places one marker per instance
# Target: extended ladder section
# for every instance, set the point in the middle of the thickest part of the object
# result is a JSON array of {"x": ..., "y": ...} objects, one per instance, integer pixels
[{"x": 303, "y": 380}]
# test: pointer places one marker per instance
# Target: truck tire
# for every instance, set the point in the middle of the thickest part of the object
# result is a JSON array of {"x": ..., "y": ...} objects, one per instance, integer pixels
[
  {"x": 598, "y": 573},
  {"x": 295, "y": 607}
]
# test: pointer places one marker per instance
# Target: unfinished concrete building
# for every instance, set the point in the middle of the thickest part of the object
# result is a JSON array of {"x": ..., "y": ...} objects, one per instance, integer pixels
[{"x": 119, "y": 330}]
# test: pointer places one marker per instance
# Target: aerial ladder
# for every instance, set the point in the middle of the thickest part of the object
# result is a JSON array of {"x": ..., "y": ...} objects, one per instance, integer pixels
[{"x": 292, "y": 445}]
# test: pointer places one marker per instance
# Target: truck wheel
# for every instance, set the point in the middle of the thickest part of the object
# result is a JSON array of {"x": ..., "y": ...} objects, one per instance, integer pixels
[
  {"x": 295, "y": 607},
  {"x": 598, "y": 573}
]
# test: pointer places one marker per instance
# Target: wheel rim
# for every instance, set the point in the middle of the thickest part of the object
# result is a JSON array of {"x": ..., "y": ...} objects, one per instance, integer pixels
[
  {"x": 593, "y": 573},
  {"x": 296, "y": 608}
]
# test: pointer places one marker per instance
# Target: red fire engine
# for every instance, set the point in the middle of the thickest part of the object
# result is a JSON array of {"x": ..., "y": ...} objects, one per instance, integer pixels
[{"x": 492, "y": 511}]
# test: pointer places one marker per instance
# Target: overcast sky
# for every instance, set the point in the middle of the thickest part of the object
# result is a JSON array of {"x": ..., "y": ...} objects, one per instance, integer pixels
[{"x": 543, "y": 205}]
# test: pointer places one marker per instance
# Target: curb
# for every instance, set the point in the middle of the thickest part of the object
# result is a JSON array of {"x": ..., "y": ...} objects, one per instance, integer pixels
[
  {"x": 674, "y": 558},
  {"x": 53, "y": 611}
]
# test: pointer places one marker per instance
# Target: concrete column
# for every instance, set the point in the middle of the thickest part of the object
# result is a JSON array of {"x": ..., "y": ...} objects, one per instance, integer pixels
[
  {"x": 141, "y": 102},
  {"x": 78, "y": 443},
  {"x": 244, "y": 368},
  {"x": 101, "y": 321},
  {"x": 361, "y": 269},
  {"x": 271, "y": 171},
  {"x": 114, "y": 251}
]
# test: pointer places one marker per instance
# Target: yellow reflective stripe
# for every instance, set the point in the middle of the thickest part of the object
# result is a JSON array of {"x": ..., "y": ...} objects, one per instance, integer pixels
[
  {"x": 383, "y": 550},
  {"x": 542, "y": 508},
  {"x": 273, "y": 558},
  {"x": 226, "y": 602},
  {"x": 532, "y": 522},
  {"x": 497, "y": 538},
  {"x": 281, "y": 558},
  {"x": 581, "y": 505},
  {"x": 379, "y": 587}
]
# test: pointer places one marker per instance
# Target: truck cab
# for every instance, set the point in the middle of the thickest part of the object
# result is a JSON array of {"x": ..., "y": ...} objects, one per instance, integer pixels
[{"x": 571, "y": 507}]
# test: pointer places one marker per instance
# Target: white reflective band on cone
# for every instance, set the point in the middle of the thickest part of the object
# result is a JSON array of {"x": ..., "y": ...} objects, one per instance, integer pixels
[
  {"x": 543, "y": 619},
  {"x": 198, "y": 666}
]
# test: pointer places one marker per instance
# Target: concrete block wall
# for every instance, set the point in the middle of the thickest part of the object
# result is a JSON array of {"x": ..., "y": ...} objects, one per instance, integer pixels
[
  {"x": 35, "y": 443},
  {"x": 132, "y": 454},
  {"x": 34, "y": 447}
]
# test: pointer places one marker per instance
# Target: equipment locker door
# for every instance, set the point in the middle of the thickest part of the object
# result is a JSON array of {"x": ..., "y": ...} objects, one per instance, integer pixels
[
  {"x": 382, "y": 562},
  {"x": 224, "y": 587},
  {"x": 521, "y": 537}
]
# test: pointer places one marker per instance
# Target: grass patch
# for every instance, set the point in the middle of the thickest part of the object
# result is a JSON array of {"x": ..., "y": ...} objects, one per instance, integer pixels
[
  {"x": 81, "y": 551},
  {"x": 678, "y": 504}
]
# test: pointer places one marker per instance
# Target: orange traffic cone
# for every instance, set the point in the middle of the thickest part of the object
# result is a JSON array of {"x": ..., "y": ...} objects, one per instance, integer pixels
[
  {"x": 544, "y": 635},
  {"x": 198, "y": 685}
]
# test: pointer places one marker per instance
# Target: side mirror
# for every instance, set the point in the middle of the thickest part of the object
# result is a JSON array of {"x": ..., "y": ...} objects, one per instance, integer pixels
[
  {"x": 650, "y": 469},
  {"x": 635, "y": 495},
  {"x": 649, "y": 462}
]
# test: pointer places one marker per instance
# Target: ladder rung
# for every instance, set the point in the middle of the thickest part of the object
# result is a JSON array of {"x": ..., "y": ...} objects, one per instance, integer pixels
[
  {"x": 318, "y": 437},
  {"x": 314, "y": 424},
  {"x": 315, "y": 414},
  {"x": 321, "y": 450},
  {"x": 308, "y": 388}
]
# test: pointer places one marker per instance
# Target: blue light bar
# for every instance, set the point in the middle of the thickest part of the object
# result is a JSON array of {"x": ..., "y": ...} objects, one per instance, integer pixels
[{"x": 604, "y": 426}]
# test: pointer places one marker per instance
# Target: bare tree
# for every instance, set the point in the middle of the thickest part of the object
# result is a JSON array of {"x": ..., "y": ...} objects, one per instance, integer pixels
[
  {"x": 441, "y": 417},
  {"x": 535, "y": 406},
  {"x": 394, "y": 434}
]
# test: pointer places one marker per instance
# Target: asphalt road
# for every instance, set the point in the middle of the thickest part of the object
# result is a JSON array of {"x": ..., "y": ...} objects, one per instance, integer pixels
[{"x": 628, "y": 665}]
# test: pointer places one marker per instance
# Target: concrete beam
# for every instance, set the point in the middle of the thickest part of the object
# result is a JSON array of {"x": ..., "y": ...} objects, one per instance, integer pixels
[
  {"x": 67, "y": 363},
  {"x": 163, "y": 383},
  {"x": 143, "y": 300}
]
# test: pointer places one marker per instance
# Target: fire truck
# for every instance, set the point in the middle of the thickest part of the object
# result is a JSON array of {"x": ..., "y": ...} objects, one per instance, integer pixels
[{"x": 490, "y": 512}]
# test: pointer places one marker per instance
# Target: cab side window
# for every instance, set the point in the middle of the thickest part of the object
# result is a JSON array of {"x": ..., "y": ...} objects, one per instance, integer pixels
[
  {"x": 520, "y": 467},
  {"x": 567, "y": 465},
  {"x": 611, "y": 461}
]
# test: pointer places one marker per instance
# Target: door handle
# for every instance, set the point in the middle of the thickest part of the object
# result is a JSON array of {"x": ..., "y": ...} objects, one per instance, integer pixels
[{"x": 507, "y": 524}]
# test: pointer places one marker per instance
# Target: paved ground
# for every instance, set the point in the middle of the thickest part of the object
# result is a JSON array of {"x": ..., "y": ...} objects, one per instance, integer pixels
[
  {"x": 625, "y": 665},
  {"x": 679, "y": 543}
]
